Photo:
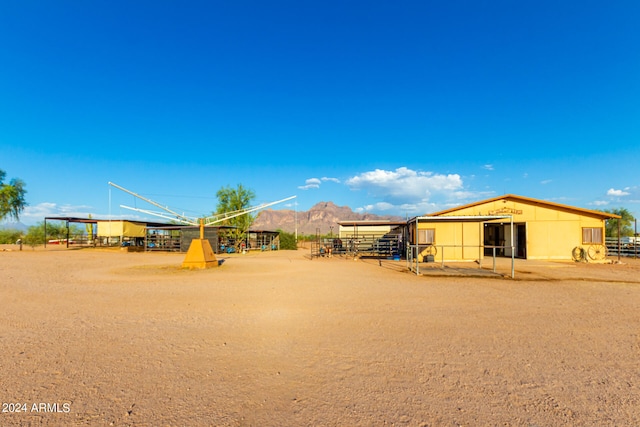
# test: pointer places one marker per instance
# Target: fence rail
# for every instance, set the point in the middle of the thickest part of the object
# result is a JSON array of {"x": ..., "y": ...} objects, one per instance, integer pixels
[
  {"x": 626, "y": 249},
  {"x": 426, "y": 253},
  {"x": 359, "y": 245}
]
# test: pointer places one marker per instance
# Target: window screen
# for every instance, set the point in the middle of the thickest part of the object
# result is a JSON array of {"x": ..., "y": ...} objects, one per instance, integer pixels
[
  {"x": 427, "y": 236},
  {"x": 592, "y": 236}
]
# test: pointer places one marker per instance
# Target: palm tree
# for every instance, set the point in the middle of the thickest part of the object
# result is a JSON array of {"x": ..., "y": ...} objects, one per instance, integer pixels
[{"x": 12, "y": 201}]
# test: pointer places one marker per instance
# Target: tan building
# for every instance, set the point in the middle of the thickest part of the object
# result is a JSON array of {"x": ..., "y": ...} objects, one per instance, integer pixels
[
  {"x": 510, "y": 225},
  {"x": 370, "y": 237},
  {"x": 374, "y": 229},
  {"x": 121, "y": 232}
]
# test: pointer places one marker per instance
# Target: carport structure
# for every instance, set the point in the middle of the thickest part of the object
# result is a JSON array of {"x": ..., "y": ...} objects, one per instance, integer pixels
[
  {"x": 452, "y": 238},
  {"x": 100, "y": 228},
  {"x": 68, "y": 220}
]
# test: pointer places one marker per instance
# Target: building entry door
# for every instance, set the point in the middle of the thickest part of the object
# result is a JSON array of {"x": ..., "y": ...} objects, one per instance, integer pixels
[
  {"x": 521, "y": 240},
  {"x": 493, "y": 236},
  {"x": 500, "y": 235}
]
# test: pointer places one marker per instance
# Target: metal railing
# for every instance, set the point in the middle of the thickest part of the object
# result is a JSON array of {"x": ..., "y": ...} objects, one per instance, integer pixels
[
  {"x": 358, "y": 245},
  {"x": 623, "y": 247},
  {"x": 424, "y": 253}
]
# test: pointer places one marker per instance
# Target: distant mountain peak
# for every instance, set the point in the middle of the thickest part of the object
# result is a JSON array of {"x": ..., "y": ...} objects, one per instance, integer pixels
[
  {"x": 322, "y": 205},
  {"x": 13, "y": 225},
  {"x": 322, "y": 217}
]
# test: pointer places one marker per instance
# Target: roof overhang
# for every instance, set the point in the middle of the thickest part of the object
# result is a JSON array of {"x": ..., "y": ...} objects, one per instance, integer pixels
[
  {"x": 97, "y": 220},
  {"x": 71, "y": 219},
  {"x": 364, "y": 223},
  {"x": 460, "y": 218},
  {"x": 162, "y": 226},
  {"x": 529, "y": 200}
]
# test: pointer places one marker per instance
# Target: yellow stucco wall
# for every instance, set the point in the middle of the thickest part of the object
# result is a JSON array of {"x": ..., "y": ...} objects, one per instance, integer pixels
[
  {"x": 121, "y": 229},
  {"x": 456, "y": 240},
  {"x": 364, "y": 230},
  {"x": 551, "y": 231}
]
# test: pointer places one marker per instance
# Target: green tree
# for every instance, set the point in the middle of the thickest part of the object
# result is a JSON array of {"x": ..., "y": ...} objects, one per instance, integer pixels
[
  {"x": 626, "y": 223},
  {"x": 12, "y": 201},
  {"x": 287, "y": 240},
  {"x": 232, "y": 201},
  {"x": 35, "y": 234}
]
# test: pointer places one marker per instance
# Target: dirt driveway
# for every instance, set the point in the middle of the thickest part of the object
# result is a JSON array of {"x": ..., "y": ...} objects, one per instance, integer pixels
[{"x": 96, "y": 337}]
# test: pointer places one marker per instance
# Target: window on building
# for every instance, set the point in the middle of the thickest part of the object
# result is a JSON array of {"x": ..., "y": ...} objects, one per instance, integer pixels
[
  {"x": 427, "y": 236},
  {"x": 592, "y": 236}
]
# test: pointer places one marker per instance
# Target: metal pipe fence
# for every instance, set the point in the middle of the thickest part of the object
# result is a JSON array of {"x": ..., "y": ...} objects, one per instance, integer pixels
[
  {"x": 425, "y": 253},
  {"x": 626, "y": 247}
]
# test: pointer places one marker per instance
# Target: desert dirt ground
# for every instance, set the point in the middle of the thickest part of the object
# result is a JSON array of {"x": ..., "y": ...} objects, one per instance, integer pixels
[{"x": 105, "y": 337}]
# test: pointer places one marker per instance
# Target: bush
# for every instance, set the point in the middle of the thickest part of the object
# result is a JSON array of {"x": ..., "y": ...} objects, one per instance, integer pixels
[
  {"x": 9, "y": 236},
  {"x": 34, "y": 236},
  {"x": 287, "y": 241}
]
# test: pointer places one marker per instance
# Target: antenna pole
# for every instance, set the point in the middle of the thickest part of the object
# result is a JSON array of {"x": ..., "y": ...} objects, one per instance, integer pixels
[
  {"x": 249, "y": 210},
  {"x": 200, "y": 253},
  {"x": 147, "y": 200}
]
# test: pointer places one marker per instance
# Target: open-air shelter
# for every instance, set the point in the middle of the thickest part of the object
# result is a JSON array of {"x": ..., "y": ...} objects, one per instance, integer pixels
[
  {"x": 451, "y": 239},
  {"x": 69, "y": 220}
]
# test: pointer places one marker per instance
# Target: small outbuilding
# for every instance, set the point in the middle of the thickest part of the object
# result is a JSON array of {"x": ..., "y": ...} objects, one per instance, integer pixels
[
  {"x": 178, "y": 238},
  {"x": 121, "y": 232},
  {"x": 264, "y": 240},
  {"x": 372, "y": 237}
]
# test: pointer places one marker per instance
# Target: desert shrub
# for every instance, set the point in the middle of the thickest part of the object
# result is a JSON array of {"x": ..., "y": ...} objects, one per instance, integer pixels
[
  {"x": 287, "y": 241},
  {"x": 35, "y": 233},
  {"x": 9, "y": 236}
]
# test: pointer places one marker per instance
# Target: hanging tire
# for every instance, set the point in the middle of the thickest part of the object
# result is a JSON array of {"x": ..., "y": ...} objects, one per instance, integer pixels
[{"x": 578, "y": 254}]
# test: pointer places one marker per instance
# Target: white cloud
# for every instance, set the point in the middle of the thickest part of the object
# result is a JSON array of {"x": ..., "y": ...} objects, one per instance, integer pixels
[
  {"x": 600, "y": 203},
  {"x": 465, "y": 195},
  {"x": 402, "y": 209},
  {"x": 315, "y": 182},
  {"x": 37, "y": 213},
  {"x": 310, "y": 183},
  {"x": 488, "y": 167},
  {"x": 617, "y": 193},
  {"x": 546, "y": 181},
  {"x": 377, "y": 207},
  {"x": 404, "y": 183},
  {"x": 325, "y": 179},
  {"x": 406, "y": 192}
]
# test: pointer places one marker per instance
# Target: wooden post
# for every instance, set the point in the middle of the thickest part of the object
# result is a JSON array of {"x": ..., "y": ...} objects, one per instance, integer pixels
[{"x": 619, "y": 245}]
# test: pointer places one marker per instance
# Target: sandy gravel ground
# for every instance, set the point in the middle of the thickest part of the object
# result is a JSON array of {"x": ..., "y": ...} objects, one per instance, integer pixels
[{"x": 104, "y": 337}]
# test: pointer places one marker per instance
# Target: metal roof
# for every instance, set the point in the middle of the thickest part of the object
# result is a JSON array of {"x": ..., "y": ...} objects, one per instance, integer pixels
[
  {"x": 97, "y": 220},
  {"x": 530, "y": 200},
  {"x": 162, "y": 226},
  {"x": 358, "y": 223},
  {"x": 72, "y": 219},
  {"x": 460, "y": 218}
]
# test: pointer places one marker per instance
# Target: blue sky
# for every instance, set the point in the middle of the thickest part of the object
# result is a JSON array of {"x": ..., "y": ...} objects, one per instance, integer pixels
[{"x": 388, "y": 107}]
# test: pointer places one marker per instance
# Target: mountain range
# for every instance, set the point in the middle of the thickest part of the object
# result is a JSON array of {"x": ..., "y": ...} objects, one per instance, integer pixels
[
  {"x": 12, "y": 225},
  {"x": 322, "y": 217}
]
